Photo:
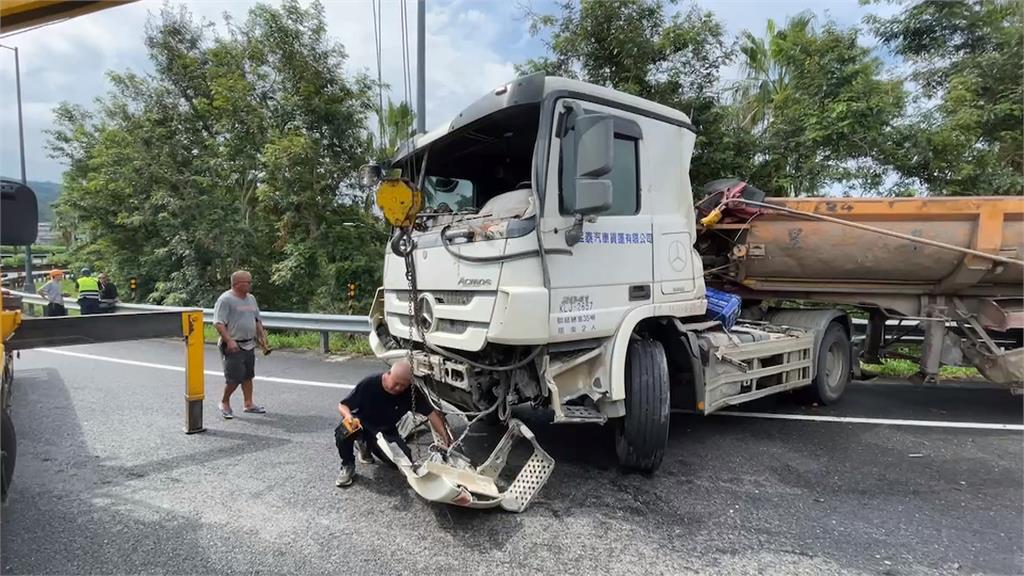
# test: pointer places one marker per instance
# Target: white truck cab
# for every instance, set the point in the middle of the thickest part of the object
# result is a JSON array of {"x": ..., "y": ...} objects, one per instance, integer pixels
[{"x": 554, "y": 264}]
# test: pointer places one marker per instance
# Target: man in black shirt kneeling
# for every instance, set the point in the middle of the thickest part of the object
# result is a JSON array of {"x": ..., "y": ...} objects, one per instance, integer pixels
[{"x": 379, "y": 402}]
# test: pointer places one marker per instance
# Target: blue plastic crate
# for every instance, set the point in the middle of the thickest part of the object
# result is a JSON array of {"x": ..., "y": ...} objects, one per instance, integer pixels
[{"x": 723, "y": 306}]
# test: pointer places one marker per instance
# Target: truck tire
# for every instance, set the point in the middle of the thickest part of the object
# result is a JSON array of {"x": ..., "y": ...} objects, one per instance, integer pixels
[
  {"x": 9, "y": 448},
  {"x": 833, "y": 366},
  {"x": 642, "y": 434}
]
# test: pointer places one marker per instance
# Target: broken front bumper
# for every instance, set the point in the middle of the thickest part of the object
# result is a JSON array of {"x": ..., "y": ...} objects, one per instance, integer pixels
[{"x": 455, "y": 481}]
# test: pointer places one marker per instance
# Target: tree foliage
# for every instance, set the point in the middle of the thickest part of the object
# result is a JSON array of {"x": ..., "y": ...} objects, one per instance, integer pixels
[
  {"x": 768, "y": 71},
  {"x": 639, "y": 47},
  {"x": 808, "y": 115},
  {"x": 396, "y": 122},
  {"x": 819, "y": 106},
  {"x": 964, "y": 133},
  {"x": 239, "y": 150},
  {"x": 816, "y": 110},
  {"x": 634, "y": 46}
]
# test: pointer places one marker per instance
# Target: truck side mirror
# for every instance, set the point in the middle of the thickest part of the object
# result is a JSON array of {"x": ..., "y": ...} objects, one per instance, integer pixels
[
  {"x": 592, "y": 196},
  {"x": 370, "y": 175},
  {"x": 587, "y": 157},
  {"x": 594, "y": 137}
]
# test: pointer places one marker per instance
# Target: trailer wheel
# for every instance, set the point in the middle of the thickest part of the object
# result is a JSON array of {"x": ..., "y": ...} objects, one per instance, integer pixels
[
  {"x": 9, "y": 448},
  {"x": 833, "y": 366},
  {"x": 642, "y": 434}
]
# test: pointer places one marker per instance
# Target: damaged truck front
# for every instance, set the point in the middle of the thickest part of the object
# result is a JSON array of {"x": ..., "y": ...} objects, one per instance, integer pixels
[{"x": 544, "y": 255}]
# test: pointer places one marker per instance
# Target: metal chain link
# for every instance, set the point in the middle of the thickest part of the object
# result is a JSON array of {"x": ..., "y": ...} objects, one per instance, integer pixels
[{"x": 410, "y": 277}]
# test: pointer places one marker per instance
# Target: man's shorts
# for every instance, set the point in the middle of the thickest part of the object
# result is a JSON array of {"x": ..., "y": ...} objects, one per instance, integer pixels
[{"x": 239, "y": 366}]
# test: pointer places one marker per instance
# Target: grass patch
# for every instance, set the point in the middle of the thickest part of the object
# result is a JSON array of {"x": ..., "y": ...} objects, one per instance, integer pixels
[
  {"x": 297, "y": 340},
  {"x": 899, "y": 368},
  {"x": 902, "y": 368}
]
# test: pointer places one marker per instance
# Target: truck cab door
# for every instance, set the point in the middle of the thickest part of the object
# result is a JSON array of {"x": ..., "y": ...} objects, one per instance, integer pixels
[{"x": 595, "y": 281}]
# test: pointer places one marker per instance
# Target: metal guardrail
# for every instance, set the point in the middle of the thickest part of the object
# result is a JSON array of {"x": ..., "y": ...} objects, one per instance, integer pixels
[
  {"x": 313, "y": 322},
  {"x": 331, "y": 322},
  {"x": 324, "y": 324},
  {"x": 19, "y": 275}
]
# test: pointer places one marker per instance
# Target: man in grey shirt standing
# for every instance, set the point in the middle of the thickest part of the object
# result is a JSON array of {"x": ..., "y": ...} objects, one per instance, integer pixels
[
  {"x": 53, "y": 291},
  {"x": 237, "y": 319}
]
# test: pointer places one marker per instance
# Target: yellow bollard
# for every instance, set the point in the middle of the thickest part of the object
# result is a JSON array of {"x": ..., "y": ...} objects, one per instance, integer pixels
[{"x": 192, "y": 328}]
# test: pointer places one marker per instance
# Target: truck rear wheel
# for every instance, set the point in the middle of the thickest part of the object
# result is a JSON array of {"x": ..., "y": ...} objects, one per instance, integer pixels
[
  {"x": 642, "y": 434},
  {"x": 833, "y": 366},
  {"x": 9, "y": 447}
]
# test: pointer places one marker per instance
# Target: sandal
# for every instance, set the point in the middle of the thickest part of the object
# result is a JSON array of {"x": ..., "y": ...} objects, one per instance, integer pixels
[
  {"x": 226, "y": 413},
  {"x": 255, "y": 410}
]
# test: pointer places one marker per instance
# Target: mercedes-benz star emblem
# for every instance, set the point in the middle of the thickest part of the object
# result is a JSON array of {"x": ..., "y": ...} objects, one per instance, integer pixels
[
  {"x": 425, "y": 313},
  {"x": 677, "y": 256}
]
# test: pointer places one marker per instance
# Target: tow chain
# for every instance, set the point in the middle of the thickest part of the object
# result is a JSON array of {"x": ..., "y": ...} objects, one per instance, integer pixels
[
  {"x": 403, "y": 245},
  {"x": 405, "y": 235}
]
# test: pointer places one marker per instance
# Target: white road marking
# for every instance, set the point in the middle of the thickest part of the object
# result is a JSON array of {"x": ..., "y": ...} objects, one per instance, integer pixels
[
  {"x": 207, "y": 372},
  {"x": 766, "y": 415},
  {"x": 856, "y": 420}
]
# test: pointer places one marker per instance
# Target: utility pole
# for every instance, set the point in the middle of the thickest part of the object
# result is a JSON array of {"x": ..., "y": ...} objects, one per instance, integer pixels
[
  {"x": 421, "y": 66},
  {"x": 30, "y": 286}
]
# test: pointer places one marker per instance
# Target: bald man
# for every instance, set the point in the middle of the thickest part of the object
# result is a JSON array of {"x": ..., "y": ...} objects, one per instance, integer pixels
[
  {"x": 236, "y": 316},
  {"x": 379, "y": 402}
]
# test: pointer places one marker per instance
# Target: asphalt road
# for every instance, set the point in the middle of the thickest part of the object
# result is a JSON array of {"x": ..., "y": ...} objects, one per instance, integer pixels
[{"x": 107, "y": 482}]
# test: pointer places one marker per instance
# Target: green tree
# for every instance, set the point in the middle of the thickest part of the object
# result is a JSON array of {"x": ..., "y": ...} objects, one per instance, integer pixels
[
  {"x": 963, "y": 135},
  {"x": 239, "y": 150},
  {"x": 767, "y": 74},
  {"x": 635, "y": 46},
  {"x": 819, "y": 106},
  {"x": 645, "y": 48}
]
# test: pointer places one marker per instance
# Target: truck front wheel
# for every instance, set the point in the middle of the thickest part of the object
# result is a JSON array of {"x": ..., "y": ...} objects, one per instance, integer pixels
[
  {"x": 642, "y": 434},
  {"x": 833, "y": 366}
]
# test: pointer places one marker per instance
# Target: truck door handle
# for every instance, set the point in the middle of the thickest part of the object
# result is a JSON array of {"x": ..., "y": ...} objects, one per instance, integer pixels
[{"x": 639, "y": 292}]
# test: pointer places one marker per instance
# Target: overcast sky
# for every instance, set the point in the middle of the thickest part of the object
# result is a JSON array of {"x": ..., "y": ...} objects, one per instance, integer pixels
[{"x": 472, "y": 46}]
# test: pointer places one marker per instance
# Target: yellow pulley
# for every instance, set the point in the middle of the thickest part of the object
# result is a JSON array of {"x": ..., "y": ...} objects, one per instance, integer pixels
[{"x": 400, "y": 201}]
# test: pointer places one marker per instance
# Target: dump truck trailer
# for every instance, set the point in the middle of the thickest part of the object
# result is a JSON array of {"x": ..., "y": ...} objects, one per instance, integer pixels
[
  {"x": 549, "y": 251},
  {"x": 944, "y": 264}
]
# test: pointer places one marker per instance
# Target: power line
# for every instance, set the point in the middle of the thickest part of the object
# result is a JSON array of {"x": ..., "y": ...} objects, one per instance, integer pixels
[
  {"x": 377, "y": 17},
  {"x": 408, "y": 59},
  {"x": 405, "y": 54}
]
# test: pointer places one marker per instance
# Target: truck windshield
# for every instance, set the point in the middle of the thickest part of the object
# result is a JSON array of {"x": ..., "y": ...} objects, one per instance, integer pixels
[
  {"x": 453, "y": 193},
  {"x": 484, "y": 164}
]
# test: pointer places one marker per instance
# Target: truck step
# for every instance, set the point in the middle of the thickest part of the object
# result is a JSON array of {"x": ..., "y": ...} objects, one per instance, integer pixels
[{"x": 579, "y": 415}]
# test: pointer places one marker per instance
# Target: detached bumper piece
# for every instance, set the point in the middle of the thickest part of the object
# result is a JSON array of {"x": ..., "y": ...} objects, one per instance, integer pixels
[{"x": 455, "y": 481}]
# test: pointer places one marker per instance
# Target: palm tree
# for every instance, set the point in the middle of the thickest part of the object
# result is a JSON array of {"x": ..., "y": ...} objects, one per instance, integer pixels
[
  {"x": 767, "y": 76},
  {"x": 394, "y": 128},
  {"x": 397, "y": 123}
]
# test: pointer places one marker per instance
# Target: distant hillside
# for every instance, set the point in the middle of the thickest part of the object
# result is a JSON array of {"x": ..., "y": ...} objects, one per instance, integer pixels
[{"x": 46, "y": 194}]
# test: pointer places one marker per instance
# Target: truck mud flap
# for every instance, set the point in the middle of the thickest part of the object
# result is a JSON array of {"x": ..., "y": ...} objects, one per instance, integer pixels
[{"x": 455, "y": 481}]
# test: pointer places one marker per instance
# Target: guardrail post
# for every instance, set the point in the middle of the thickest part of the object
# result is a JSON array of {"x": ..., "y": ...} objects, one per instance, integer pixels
[
  {"x": 192, "y": 328},
  {"x": 325, "y": 341}
]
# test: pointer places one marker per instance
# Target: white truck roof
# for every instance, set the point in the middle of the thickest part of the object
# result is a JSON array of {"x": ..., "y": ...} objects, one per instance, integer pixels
[{"x": 533, "y": 89}]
